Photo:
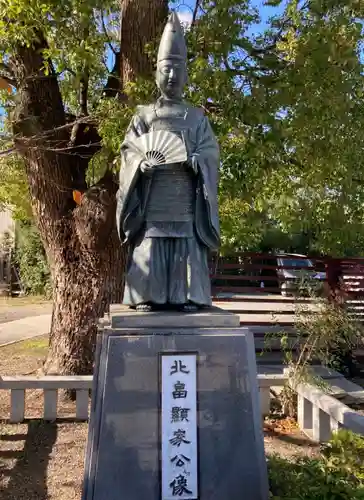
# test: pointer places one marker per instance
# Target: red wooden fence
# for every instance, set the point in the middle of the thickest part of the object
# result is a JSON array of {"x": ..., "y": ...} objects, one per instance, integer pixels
[
  {"x": 237, "y": 286},
  {"x": 251, "y": 273}
]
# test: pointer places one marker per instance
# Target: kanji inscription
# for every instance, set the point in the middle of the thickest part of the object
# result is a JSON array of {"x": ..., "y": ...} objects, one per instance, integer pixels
[{"x": 179, "y": 426}]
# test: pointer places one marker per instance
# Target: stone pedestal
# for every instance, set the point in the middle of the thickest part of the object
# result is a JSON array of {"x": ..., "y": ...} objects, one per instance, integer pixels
[{"x": 123, "y": 458}]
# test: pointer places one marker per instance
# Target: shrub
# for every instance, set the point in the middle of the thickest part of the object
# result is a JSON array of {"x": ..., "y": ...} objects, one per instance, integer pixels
[
  {"x": 328, "y": 335},
  {"x": 345, "y": 452},
  {"x": 337, "y": 474},
  {"x": 32, "y": 262}
]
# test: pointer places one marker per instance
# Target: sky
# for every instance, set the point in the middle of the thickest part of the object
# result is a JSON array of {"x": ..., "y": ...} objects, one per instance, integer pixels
[{"x": 185, "y": 9}]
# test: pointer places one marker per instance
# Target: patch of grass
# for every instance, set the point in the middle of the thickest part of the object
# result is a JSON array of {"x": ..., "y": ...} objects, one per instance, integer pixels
[
  {"x": 38, "y": 344},
  {"x": 337, "y": 474},
  {"x": 33, "y": 347},
  {"x": 26, "y": 358},
  {"x": 23, "y": 358},
  {"x": 308, "y": 479}
]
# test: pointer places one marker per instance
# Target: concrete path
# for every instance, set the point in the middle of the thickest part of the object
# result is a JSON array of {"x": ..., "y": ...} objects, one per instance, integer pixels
[
  {"x": 13, "y": 309},
  {"x": 24, "y": 322},
  {"x": 25, "y": 328},
  {"x": 39, "y": 324}
]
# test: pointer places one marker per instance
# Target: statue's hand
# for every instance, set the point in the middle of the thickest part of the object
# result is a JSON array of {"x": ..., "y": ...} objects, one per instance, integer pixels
[
  {"x": 147, "y": 168},
  {"x": 192, "y": 163}
]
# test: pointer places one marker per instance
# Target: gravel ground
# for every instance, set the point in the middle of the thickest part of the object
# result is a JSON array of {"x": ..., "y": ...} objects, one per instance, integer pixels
[
  {"x": 45, "y": 461},
  {"x": 41, "y": 461}
]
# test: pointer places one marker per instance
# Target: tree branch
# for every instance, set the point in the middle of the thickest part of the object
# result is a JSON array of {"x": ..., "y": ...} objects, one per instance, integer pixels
[
  {"x": 236, "y": 71},
  {"x": 6, "y": 69},
  {"x": 50, "y": 132},
  {"x": 72, "y": 150},
  {"x": 195, "y": 12},
  {"x": 7, "y": 152},
  {"x": 84, "y": 83},
  {"x": 107, "y": 35},
  {"x": 69, "y": 70},
  {"x": 7, "y": 79},
  {"x": 7, "y": 74},
  {"x": 113, "y": 84}
]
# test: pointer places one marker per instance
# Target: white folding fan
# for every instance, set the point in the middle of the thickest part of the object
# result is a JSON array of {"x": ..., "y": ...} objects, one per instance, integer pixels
[{"x": 161, "y": 147}]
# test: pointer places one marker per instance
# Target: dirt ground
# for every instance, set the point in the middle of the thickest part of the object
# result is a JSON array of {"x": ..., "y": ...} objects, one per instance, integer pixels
[
  {"x": 20, "y": 307},
  {"x": 45, "y": 461}
]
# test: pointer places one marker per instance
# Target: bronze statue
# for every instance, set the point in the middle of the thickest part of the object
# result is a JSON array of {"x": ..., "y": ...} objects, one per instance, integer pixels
[{"x": 168, "y": 213}]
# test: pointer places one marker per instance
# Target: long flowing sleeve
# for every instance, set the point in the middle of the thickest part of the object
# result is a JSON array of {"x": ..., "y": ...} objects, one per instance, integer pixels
[
  {"x": 207, "y": 211},
  {"x": 131, "y": 192}
]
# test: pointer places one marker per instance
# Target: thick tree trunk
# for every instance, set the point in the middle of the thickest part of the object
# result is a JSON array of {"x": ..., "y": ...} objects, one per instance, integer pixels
[
  {"x": 84, "y": 253},
  {"x": 142, "y": 22},
  {"x": 87, "y": 276}
]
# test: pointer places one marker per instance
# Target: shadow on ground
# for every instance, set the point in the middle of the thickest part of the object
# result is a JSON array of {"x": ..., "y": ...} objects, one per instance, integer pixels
[{"x": 28, "y": 477}]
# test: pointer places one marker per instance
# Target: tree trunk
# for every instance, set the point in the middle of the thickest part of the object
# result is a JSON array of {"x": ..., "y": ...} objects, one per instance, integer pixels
[
  {"x": 142, "y": 22},
  {"x": 83, "y": 250},
  {"x": 87, "y": 275}
]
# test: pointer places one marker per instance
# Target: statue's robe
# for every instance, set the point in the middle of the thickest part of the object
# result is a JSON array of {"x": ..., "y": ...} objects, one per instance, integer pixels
[{"x": 169, "y": 218}]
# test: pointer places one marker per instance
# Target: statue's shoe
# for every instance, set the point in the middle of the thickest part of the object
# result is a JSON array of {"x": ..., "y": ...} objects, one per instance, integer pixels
[
  {"x": 144, "y": 307},
  {"x": 189, "y": 308}
]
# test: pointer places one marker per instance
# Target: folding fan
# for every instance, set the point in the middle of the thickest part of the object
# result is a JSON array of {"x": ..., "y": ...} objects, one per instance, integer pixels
[{"x": 161, "y": 147}]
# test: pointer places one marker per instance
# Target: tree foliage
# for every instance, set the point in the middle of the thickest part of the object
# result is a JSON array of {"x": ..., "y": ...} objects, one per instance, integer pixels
[
  {"x": 13, "y": 187},
  {"x": 60, "y": 61},
  {"x": 293, "y": 147},
  {"x": 286, "y": 104},
  {"x": 320, "y": 97},
  {"x": 32, "y": 261}
]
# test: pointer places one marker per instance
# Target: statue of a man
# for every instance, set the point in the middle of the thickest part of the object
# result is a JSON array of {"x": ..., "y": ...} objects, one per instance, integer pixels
[{"x": 169, "y": 214}]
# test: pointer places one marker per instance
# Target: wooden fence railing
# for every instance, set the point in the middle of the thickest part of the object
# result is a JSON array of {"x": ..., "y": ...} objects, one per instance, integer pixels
[{"x": 249, "y": 273}]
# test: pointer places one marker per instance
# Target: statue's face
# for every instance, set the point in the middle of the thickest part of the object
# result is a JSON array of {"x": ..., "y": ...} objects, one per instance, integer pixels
[{"x": 171, "y": 77}]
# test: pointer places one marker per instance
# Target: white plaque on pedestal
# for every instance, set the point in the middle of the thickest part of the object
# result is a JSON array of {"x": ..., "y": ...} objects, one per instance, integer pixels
[{"x": 179, "y": 457}]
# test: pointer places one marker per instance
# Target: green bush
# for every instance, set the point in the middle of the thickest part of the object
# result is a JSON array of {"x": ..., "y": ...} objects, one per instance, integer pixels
[
  {"x": 328, "y": 335},
  {"x": 32, "y": 262},
  {"x": 345, "y": 452},
  {"x": 337, "y": 474}
]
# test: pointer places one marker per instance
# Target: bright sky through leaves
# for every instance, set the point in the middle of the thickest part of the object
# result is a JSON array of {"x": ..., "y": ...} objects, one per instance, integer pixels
[{"x": 185, "y": 9}]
